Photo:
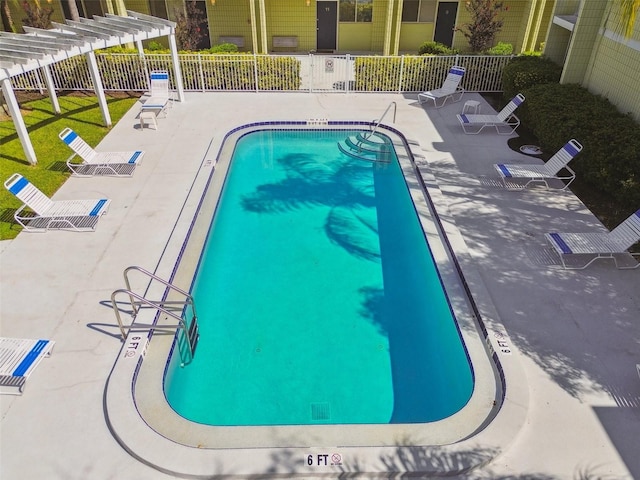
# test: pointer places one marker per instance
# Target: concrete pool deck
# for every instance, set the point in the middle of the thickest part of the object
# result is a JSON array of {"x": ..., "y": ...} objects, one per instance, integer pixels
[{"x": 575, "y": 334}]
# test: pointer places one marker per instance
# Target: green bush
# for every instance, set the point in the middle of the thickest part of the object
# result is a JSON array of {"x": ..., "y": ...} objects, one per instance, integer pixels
[
  {"x": 525, "y": 71},
  {"x": 223, "y": 48},
  {"x": 501, "y": 48},
  {"x": 610, "y": 160},
  {"x": 435, "y": 48}
]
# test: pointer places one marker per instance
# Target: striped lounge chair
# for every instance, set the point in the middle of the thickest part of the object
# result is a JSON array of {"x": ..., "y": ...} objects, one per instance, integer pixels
[
  {"x": 47, "y": 214},
  {"x": 505, "y": 121},
  {"x": 543, "y": 173},
  {"x": 117, "y": 164},
  {"x": 598, "y": 245},
  {"x": 18, "y": 358},
  {"x": 450, "y": 88}
]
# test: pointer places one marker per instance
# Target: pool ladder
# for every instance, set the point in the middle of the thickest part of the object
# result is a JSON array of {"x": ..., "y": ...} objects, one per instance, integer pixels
[
  {"x": 369, "y": 146},
  {"x": 187, "y": 321}
]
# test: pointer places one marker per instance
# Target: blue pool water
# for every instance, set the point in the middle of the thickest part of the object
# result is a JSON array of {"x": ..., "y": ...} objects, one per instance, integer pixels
[{"x": 318, "y": 298}]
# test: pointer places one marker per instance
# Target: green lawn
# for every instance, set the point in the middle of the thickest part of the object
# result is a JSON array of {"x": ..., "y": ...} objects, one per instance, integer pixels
[{"x": 79, "y": 112}]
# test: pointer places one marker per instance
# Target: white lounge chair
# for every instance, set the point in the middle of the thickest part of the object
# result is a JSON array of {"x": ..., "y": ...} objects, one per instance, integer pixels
[
  {"x": 18, "y": 358},
  {"x": 543, "y": 173},
  {"x": 76, "y": 215},
  {"x": 119, "y": 164},
  {"x": 503, "y": 119},
  {"x": 449, "y": 89},
  {"x": 159, "y": 96},
  {"x": 598, "y": 245}
]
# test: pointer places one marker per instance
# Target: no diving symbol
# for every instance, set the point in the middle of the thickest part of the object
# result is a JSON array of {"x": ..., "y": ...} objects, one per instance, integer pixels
[
  {"x": 336, "y": 459},
  {"x": 328, "y": 65}
]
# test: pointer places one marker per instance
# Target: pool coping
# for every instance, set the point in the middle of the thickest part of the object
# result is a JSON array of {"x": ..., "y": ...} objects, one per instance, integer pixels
[{"x": 489, "y": 439}]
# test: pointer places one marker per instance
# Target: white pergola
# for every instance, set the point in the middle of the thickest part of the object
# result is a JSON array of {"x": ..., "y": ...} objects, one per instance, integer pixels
[{"x": 37, "y": 49}]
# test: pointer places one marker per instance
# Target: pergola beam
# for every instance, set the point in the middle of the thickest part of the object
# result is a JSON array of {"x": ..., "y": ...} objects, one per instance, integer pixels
[{"x": 38, "y": 49}]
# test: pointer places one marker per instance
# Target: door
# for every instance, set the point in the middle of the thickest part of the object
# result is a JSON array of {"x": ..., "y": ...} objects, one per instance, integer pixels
[
  {"x": 327, "y": 26},
  {"x": 445, "y": 22}
]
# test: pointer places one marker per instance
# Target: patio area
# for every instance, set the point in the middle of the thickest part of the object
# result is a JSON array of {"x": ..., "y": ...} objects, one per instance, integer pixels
[{"x": 575, "y": 335}]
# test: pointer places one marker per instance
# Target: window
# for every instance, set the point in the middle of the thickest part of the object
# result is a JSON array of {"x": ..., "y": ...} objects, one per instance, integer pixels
[
  {"x": 419, "y": 11},
  {"x": 356, "y": 10}
]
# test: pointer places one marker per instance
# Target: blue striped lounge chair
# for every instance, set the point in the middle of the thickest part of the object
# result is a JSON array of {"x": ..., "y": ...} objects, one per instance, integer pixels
[
  {"x": 18, "y": 358},
  {"x": 47, "y": 214},
  {"x": 598, "y": 245},
  {"x": 117, "y": 164},
  {"x": 543, "y": 173},
  {"x": 159, "y": 96},
  {"x": 505, "y": 121},
  {"x": 449, "y": 89}
]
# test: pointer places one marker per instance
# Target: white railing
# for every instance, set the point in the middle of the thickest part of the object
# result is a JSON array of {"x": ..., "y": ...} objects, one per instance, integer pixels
[{"x": 248, "y": 72}]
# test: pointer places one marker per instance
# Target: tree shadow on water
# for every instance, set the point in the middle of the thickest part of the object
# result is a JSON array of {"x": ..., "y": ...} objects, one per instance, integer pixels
[{"x": 344, "y": 188}]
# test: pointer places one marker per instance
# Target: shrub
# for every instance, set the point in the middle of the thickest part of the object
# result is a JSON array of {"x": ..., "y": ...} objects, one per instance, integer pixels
[
  {"x": 526, "y": 71},
  {"x": 435, "y": 48},
  {"x": 224, "y": 48},
  {"x": 610, "y": 160},
  {"x": 501, "y": 48}
]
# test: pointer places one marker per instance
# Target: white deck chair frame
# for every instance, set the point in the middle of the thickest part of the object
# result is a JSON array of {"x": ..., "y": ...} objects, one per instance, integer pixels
[
  {"x": 116, "y": 164},
  {"x": 47, "y": 214},
  {"x": 598, "y": 245},
  {"x": 543, "y": 173},
  {"x": 18, "y": 358},
  {"x": 449, "y": 89},
  {"x": 505, "y": 119},
  {"x": 159, "y": 99}
]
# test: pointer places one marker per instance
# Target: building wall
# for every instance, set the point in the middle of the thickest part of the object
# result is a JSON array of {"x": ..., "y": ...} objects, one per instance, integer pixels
[{"x": 614, "y": 65}]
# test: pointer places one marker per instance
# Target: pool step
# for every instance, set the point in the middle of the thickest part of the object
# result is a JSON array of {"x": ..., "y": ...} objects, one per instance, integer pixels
[{"x": 370, "y": 148}]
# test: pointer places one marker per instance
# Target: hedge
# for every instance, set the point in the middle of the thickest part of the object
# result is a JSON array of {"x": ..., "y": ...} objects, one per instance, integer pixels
[
  {"x": 610, "y": 160},
  {"x": 526, "y": 71}
]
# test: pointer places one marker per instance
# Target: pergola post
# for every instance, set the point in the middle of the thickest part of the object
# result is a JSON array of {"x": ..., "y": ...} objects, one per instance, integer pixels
[
  {"x": 51, "y": 88},
  {"x": 18, "y": 121},
  {"x": 173, "y": 47},
  {"x": 99, "y": 89}
]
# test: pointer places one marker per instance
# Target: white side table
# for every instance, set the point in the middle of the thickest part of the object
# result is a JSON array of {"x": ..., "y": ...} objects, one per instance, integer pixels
[
  {"x": 148, "y": 116},
  {"x": 471, "y": 106}
]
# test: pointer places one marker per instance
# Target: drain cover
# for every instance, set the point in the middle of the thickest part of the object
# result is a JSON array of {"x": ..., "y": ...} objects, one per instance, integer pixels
[
  {"x": 531, "y": 149},
  {"x": 320, "y": 411}
]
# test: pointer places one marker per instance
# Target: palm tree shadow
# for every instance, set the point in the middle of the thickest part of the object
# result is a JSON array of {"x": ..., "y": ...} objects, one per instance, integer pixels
[{"x": 345, "y": 188}]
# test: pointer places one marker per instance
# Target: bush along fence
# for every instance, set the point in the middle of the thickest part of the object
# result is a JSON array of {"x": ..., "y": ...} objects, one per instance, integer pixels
[{"x": 248, "y": 72}]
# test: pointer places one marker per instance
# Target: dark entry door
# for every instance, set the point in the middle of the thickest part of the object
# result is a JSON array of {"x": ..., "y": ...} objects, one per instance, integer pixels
[
  {"x": 445, "y": 21},
  {"x": 327, "y": 26}
]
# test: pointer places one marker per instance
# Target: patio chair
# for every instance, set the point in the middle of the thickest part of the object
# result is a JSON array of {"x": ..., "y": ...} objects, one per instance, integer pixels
[
  {"x": 542, "y": 173},
  {"x": 159, "y": 96},
  {"x": 503, "y": 119},
  {"x": 118, "y": 164},
  {"x": 449, "y": 89},
  {"x": 18, "y": 358},
  {"x": 598, "y": 245},
  {"x": 47, "y": 214}
]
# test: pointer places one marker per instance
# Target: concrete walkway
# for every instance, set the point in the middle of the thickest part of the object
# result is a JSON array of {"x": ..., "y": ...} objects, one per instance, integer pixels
[{"x": 575, "y": 333}]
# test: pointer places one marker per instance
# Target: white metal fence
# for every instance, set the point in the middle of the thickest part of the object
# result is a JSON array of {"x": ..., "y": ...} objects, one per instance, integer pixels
[{"x": 242, "y": 72}]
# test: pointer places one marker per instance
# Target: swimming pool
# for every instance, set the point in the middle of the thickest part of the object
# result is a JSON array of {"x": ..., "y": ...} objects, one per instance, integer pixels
[
  {"x": 318, "y": 298},
  {"x": 144, "y": 423}
]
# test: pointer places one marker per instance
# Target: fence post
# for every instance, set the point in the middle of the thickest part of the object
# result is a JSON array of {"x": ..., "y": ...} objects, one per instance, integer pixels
[
  {"x": 401, "y": 74},
  {"x": 200, "y": 71},
  {"x": 346, "y": 72},
  {"x": 255, "y": 71}
]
